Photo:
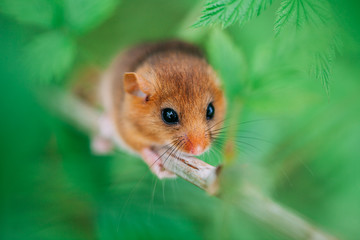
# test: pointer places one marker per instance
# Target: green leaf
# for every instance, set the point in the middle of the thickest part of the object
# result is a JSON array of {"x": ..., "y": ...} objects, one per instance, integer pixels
[
  {"x": 284, "y": 14},
  {"x": 322, "y": 67},
  {"x": 318, "y": 18},
  {"x": 84, "y": 15},
  {"x": 228, "y": 12},
  {"x": 40, "y": 13},
  {"x": 228, "y": 60},
  {"x": 299, "y": 12},
  {"x": 49, "y": 56}
]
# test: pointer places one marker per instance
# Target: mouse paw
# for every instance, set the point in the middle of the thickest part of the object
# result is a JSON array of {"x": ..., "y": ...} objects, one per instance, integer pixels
[
  {"x": 102, "y": 142},
  {"x": 101, "y": 145},
  {"x": 153, "y": 160}
]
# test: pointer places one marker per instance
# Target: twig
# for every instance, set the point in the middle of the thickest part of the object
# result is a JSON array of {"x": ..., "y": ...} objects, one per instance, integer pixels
[
  {"x": 71, "y": 109},
  {"x": 194, "y": 171},
  {"x": 246, "y": 198},
  {"x": 252, "y": 202}
]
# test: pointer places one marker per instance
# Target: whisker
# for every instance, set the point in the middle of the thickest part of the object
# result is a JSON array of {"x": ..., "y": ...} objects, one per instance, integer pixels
[
  {"x": 221, "y": 121},
  {"x": 216, "y": 135},
  {"x": 236, "y": 124},
  {"x": 255, "y": 138},
  {"x": 170, "y": 154},
  {"x": 152, "y": 196},
  {"x": 219, "y": 129},
  {"x": 215, "y": 151},
  {"x": 178, "y": 152},
  {"x": 220, "y": 134},
  {"x": 171, "y": 147},
  {"x": 242, "y": 142}
]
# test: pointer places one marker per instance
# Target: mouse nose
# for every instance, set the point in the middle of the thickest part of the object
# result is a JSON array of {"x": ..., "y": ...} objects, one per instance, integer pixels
[
  {"x": 197, "y": 150},
  {"x": 195, "y": 144}
]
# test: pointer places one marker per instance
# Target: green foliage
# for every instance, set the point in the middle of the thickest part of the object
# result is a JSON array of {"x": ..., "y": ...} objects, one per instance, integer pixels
[
  {"x": 40, "y": 13},
  {"x": 220, "y": 46},
  {"x": 299, "y": 13},
  {"x": 83, "y": 15},
  {"x": 228, "y": 12},
  {"x": 318, "y": 16},
  {"x": 292, "y": 14},
  {"x": 49, "y": 56},
  {"x": 322, "y": 67}
]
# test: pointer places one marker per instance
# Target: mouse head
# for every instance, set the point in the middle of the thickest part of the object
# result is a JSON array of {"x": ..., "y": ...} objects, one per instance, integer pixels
[{"x": 176, "y": 103}]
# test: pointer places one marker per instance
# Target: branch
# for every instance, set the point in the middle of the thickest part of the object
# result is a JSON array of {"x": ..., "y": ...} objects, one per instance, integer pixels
[
  {"x": 246, "y": 198},
  {"x": 252, "y": 202},
  {"x": 71, "y": 109}
]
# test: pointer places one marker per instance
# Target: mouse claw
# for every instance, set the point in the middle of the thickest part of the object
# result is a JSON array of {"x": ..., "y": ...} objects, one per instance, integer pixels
[{"x": 152, "y": 159}]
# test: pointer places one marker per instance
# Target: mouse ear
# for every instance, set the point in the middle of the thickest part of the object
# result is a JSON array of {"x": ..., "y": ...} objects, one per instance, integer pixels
[{"x": 136, "y": 85}]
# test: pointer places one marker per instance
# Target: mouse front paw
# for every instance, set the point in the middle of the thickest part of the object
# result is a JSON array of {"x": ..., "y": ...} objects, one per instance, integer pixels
[
  {"x": 152, "y": 159},
  {"x": 101, "y": 143}
]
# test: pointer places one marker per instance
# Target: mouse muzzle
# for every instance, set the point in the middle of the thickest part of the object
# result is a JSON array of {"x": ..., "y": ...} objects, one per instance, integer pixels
[{"x": 196, "y": 143}]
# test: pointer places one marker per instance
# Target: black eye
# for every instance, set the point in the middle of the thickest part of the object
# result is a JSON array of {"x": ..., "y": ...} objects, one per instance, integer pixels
[
  {"x": 169, "y": 116},
  {"x": 210, "y": 111}
]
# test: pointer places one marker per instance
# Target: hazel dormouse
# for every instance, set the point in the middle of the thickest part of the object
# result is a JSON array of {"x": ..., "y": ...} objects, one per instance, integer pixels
[{"x": 161, "y": 95}]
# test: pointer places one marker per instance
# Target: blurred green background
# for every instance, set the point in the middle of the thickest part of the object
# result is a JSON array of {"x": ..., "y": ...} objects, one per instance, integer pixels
[{"x": 293, "y": 89}]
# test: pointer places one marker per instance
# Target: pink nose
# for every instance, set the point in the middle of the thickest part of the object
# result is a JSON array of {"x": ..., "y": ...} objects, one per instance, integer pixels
[
  {"x": 195, "y": 143},
  {"x": 196, "y": 150}
]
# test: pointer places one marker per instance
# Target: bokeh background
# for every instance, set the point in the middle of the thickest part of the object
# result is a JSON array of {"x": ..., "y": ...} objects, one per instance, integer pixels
[{"x": 297, "y": 119}]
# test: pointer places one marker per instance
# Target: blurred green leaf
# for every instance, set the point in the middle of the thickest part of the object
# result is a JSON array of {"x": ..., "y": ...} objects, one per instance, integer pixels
[
  {"x": 228, "y": 60},
  {"x": 300, "y": 12},
  {"x": 317, "y": 16},
  {"x": 36, "y": 12},
  {"x": 49, "y": 56},
  {"x": 84, "y": 15},
  {"x": 322, "y": 67},
  {"x": 228, "y": 12}
]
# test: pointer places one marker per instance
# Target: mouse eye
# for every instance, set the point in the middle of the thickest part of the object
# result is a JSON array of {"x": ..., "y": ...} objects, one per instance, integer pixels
[
  {"x": 210, "y": 111},
  {"x": 169, "y": 116}
]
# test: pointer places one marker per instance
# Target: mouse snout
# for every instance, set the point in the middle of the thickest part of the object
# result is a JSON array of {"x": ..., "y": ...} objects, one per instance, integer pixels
[{"x": 195, "y": 143}]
